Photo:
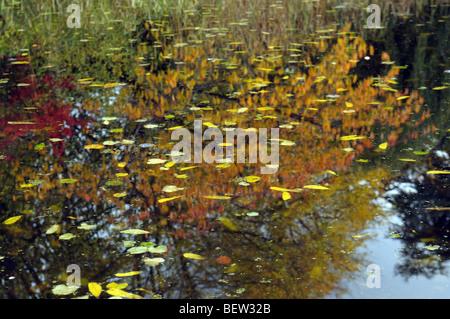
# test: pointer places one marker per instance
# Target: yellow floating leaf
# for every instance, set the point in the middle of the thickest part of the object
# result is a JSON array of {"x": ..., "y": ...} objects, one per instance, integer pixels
[
  {"x": 351, "y": 137},
  {"x": 12, "y": 220},
  {"x": 118, "y": 195},
  {"x": 406, "y": 160},
  {"x": 348, "y": 104},
  {"x": 252, "y": 179},
  {"x": 181, "y": 176},
  {"x": 186, "y": 168},
  {"x": 265, "y": 108},
  {"x": 320, "y": 187},
  {"x": 174, "y": 128},
  {"x": 163, "y": 200},
  {"x": 193, "y": 256},
  {"x": 95, "y": 289},
  {"x": 121, "y": 174},
  {"x": 94, "y": 147},
  {"x": 275, "y": 188},
  {"x": 115, "y": 285},
  {"x": 383, "y": 146},
  {"x": 402, "y": 97},
  {"x": 440, "y": 88},
  {"x": 330, "y": 171},
  {"x": 127, "y": 274},
  {"x": 121, "y": 293},
  {"x": 286, "y": 195},
  {"x": 224, "y": 165},
  {"x": 122, "y": 164},
  {"x": 217, "y": 197},
  {"x": 169, "y": 164},
  {"x": 110, "y": 85},
  {"x": 26, "y": 185},
  {"x": 438, "y": 172}
]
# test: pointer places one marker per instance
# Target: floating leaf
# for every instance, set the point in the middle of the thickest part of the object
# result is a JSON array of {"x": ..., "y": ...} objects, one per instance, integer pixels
[
  {"x": 432, "y": 247},
  {"x": 39, "y": 147},
  {"x": 281, "y": 189},
  {"x": 95, "y": 289},
  {"x": 113, "y": 183},
  {"x": 66, "y": 236},
  {"x": 163, "y": 200},
  {"x": 171, "y": 188},
  {"x": 137, "y": 250},
  {"x": 63, "y": 290},
  {"x": 110, "y": 143},
  {"x": 438, "y": 172},
  {"x": 193, "y": 256},
  {"x": 94, "y": 147},
  {"x": 134, "y": 232},
  {"x": 158, "y": 250},
  {"x": 115, "y": 285},
  {"x": 383, "y": 146},
  {"x": 86, "y": 226},
  {"x": 402, "y": 97},
  {"x": 217, "y": 197},
  {"x": 421, "y": 152},
  {"x": 251, "y": 214},
  {"x": 153, "y": 261},
  {"x": 121, "y": 293},
  {"x": 286, "y": 195},
  {"x": 68, "y": 181},
  {"x": 440, "y": 88},
  {"x": 12, "y": 220},
  {"x": 320, "y": 187},
  {"x": 406, "y": 160},
  {"x": 127, "y": 274},
  {"x": 186, "y": 168},
  {"x": 118, "y": 195},
  {"x": 53, "y": 229},
  {"x": 155, "y": 161},
  {"x": 351, "y": 137},
  {"x": 252, "y": 179}
]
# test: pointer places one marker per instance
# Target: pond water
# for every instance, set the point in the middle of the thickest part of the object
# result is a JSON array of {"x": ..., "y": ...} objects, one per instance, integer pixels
[{"x": 353, "y": 201}]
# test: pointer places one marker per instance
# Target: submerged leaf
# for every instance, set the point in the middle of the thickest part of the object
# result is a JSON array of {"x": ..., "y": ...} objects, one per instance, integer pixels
[{"x": 153, "y": 261}]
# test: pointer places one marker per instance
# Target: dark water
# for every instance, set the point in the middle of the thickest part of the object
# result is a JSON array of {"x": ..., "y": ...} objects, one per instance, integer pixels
[{"x": 79, "y": 133}]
